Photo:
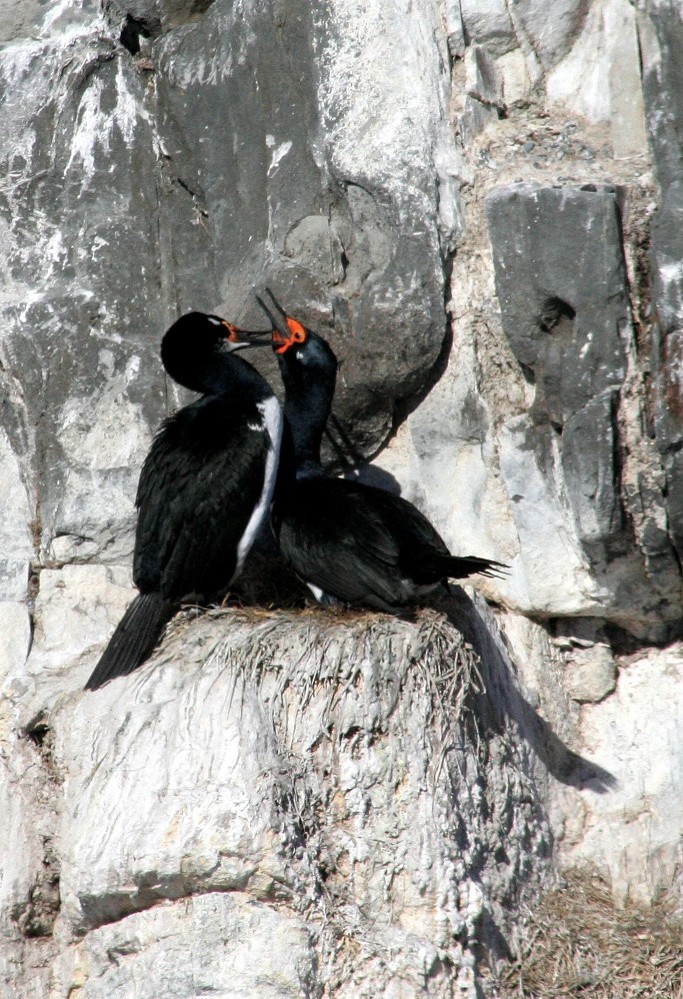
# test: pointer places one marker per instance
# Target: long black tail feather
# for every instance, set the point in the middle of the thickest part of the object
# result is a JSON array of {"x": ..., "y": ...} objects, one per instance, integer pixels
[
  {"x": 134, "y": 639},
  {"x": 459, "y": 568}
]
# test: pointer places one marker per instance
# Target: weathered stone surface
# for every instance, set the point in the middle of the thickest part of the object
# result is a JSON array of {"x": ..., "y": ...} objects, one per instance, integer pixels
[
  {"x": 495, "y": 479},
  {"x": 17, "y": 20},
  {"x": 561, "y": 284},
  {"x": 16, "y": 542},
  {"x": 141, "y": 19},
  {"x": 15, "y": 636},
  {"x": 217, "y": 943},
  {"x": 74, "y": 270},
  {"x": 76, "y": 608},
  {"x": 549, "y": 38},
  {"x": 160, "y": 155},
  {"x": 323, "y": 774},
  {"x": 489, "y": 24},
  {"x": 589, "y": 446},
  {"x": 550, "y": 549},
  {"x": 591, "y": 674},
  {"x": 637, "y": 734},
  {"x": 567, "y": 317},
  {"x": 662, "y": 36}
]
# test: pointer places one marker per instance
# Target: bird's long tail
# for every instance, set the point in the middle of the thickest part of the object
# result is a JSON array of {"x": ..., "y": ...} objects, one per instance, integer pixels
[
  {"x": 459, "y": 568},
  {"x": 136, "y": 635}
]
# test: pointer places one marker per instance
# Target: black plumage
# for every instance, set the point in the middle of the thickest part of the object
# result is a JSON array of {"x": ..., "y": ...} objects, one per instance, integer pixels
[
  {"x": 345, "y": 539},
  {"x": 204, "y": 489}
]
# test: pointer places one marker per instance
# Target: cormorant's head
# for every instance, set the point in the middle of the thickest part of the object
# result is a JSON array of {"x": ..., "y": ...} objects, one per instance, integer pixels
[
  {"x": 298, "y": 347},
  {"x": 200, "y": 333},
  {"x": 308, "y": 367},
  {"x": 195, "y": 344}
]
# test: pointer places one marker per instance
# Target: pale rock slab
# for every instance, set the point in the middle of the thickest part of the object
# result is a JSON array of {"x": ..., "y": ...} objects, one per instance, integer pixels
[
  {"x": 319, "y": 780},
  {"x": 15, "y": 637},
  {"x": 634, "y": 833},
  {"x": 552, "y": 572},
  {"x": 16, "y": 543},
  {"x": 221, "y": 944},
  {"x": 75, "y": 612},
  {"x": 590, "y": 674},
  {"x": 600, "y": 77},
  {"x": 515, "y": 76}
]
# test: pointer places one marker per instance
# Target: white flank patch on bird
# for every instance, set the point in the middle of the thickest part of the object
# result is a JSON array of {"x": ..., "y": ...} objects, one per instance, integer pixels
[
  {"x": 272, "y": 420},
  {"x": 317, "y": 592}
]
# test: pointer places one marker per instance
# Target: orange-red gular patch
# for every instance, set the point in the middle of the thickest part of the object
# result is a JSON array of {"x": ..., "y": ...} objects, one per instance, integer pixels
[
  {"x": 234, "y": 335},
  {"x": 297, "y": 334}
]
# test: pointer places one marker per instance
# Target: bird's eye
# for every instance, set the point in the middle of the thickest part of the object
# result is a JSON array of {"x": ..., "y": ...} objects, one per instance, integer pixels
[
  {"x": 214, "y": 320},
  {"x": 298, "y": 333}
]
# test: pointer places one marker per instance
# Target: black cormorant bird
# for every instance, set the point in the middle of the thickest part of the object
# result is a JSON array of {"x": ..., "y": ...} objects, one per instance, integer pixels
[
  {"x": 347, "y": 540},
  {"x": 205, "y": 487}
]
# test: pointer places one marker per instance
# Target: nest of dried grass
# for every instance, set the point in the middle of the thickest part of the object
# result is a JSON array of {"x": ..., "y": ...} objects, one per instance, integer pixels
[
  {"x": 579, "y": 942},
  {"x": 299, "y": 655}
]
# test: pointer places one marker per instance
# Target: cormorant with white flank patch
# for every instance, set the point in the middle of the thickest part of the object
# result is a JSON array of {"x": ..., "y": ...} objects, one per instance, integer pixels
[
  {"x": 347, "y": 540},
  {"x": 205, "y": 486}
]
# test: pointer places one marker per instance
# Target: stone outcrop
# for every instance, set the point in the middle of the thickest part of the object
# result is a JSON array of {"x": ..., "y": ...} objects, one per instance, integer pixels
[
  {"x": 280, "y": 803},
  {"x": 480, "y": 205}
]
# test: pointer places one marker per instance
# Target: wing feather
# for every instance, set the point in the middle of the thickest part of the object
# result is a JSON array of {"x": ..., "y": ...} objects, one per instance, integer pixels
[
  {"x": 361, "y": 544},
  {"x": 199, "y": 484},
  {"x": 342, "y": 543}
]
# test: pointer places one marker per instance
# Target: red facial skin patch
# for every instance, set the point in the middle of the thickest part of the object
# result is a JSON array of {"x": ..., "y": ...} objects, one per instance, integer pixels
[
  {"x": 233, "y": 332},
  {"x": 297, "y": 334}
]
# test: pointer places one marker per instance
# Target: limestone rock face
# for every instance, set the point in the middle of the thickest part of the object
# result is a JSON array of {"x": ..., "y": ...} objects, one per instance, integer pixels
[
  {"x": 663, "y": 34},
  {"x": 275, "y": 805},
  {"x": 480, "y": 204},
  {"x": 563, "y": 327}
]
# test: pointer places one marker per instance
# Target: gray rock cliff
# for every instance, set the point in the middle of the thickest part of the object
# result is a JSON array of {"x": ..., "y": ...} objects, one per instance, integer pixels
[{"x": 480, "y": 205}]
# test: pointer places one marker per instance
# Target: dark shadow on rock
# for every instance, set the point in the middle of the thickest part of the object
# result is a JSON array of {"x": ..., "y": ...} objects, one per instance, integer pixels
[
  {"x": 503, "y": 699},
  {"x": 343, "y": 457},
  {"x": 341, "y": 453}
]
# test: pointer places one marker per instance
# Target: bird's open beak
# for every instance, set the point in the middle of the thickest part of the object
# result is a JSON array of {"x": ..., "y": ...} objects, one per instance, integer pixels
[
  {"x": 247, "y": 338},
  {"x": 282, "y": 333}
]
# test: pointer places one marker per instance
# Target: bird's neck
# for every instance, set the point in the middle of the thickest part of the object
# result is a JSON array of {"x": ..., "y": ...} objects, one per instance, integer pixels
[
  {"x": 307, "y": 415},
  {"x": 219, "y": 374},
  {"x": 308, "y": 402}
]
